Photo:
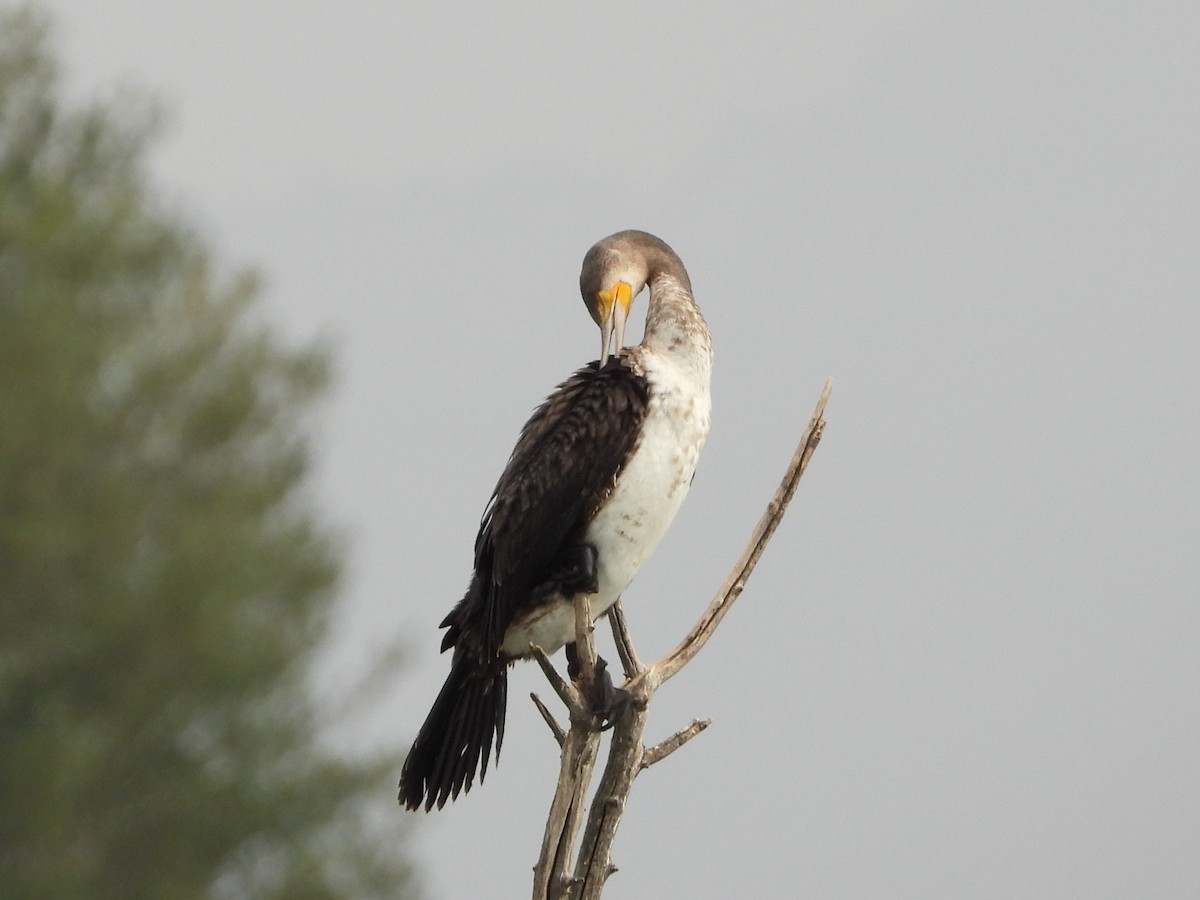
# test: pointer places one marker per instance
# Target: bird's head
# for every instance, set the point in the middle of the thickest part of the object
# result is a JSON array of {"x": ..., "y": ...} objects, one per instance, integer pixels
[{"x": 614, "y": 272}]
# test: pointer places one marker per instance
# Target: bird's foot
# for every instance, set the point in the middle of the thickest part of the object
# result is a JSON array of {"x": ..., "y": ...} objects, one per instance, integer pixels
[{"x": 603, "y": 697}]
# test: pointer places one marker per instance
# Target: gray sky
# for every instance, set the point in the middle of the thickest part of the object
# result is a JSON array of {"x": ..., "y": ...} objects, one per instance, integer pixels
[{"x": 968, "y": 665}]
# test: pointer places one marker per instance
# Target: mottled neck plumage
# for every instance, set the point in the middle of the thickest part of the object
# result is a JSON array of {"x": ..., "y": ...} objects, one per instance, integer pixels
[{"x": 675, "y": 326}]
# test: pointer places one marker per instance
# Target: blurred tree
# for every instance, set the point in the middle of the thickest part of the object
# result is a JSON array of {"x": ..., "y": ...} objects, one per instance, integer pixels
[{"x": 163, "y": 584}]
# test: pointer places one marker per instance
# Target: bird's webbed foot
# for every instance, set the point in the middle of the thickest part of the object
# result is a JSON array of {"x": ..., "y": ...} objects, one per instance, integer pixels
[
  {"x": 575, "y": 569},
  {"x": 604, "y": 698}
]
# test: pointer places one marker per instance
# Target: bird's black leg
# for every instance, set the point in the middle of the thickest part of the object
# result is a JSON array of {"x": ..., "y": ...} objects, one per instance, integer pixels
[
  {"x": 604, "y": 697},
  {"x": 575, "y": 572},
  {"x": 575, "y": 569},
  {"x": 574, "y": 665}
]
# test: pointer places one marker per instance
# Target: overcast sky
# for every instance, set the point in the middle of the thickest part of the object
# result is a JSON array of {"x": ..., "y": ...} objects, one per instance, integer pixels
[{"x": 969, "y": 664}]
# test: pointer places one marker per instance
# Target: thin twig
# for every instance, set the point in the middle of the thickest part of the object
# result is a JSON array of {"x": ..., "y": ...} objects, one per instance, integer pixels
[
  {"x": 565, "y": 690},
  {"x": 630, "y": 664},
  {"x": 557, "y": 730},
  {"x": 662, "y": 750}
]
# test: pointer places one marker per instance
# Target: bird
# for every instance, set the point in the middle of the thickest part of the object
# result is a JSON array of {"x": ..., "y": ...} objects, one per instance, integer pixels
[{"x": 595, "y": 479}]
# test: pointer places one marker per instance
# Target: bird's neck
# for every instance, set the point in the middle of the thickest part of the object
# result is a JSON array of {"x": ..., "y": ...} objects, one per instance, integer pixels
[{"x": 675, "y": 328}]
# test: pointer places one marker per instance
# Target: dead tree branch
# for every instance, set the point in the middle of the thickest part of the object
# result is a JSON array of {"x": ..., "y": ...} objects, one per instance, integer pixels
[
  {"x": 661, "y": 751},
  {"x": 579, "y": 749},
  {"x": 627, "y": 755},
  {"x": 763, "y": 531},
  {"x": 557, "y": 730},
  {"x": 630, "y": 663}
]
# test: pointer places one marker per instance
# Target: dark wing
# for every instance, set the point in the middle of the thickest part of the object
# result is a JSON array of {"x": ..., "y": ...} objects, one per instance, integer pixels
[{"x": 565, "y": 463}]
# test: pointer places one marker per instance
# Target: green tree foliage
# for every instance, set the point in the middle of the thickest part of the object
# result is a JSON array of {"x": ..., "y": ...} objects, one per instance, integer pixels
[{"x": 163, "y": 583}]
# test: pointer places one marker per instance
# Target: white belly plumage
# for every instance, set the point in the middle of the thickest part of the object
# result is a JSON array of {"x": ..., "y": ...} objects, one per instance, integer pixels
[{"x": 631, "y": 522}]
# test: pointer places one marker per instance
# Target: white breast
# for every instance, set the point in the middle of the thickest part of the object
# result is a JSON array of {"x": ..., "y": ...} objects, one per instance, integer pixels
[{"x": 642, "y": 505}]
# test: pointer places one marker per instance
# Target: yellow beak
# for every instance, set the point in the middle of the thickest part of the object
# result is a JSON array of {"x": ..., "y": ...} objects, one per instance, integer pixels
[{"x": 613, "y": 306}]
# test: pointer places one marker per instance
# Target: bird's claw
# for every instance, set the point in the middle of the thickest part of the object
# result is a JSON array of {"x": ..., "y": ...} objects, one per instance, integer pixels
[{"x": 603, "y": 697}]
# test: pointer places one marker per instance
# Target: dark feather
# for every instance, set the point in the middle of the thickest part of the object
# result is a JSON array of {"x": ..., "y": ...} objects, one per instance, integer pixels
[
  {"x": 564, "y": 465},
  {"x": 456, "y": 735},
  {"x": 566, "y": 462}
]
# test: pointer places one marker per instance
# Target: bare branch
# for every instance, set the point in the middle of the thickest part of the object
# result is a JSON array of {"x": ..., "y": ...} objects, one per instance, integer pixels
[
  {"x": 566, "y": 813},
  {"x": 670, "y": 665},
  {"x": 557, "y": 730},
  {"x": 630, "y": 664},
  {"x": 594, "y": 864},
  {"x": 661, "y": 751},
  {"x": 627, "y": 755},
  {"x": 578, "y": 759},
  {"x": 585, "y": 644},
  {"x": 565, "y": 690}
]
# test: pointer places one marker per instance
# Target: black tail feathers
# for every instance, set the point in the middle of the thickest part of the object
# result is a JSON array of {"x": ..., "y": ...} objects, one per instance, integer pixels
[{"x": 456, "y": 739}]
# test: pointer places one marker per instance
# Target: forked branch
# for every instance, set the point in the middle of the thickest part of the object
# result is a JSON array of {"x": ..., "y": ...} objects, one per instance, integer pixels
[{"x": 628, "y": 756}]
